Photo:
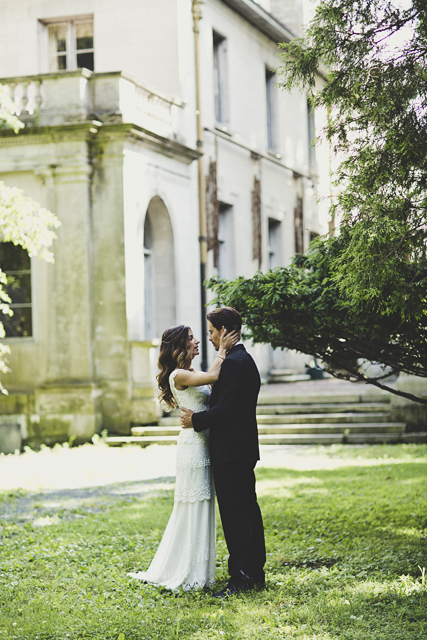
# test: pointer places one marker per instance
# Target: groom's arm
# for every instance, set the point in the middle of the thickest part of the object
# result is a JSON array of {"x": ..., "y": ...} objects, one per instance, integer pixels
[{"x": 227, "y": 407}]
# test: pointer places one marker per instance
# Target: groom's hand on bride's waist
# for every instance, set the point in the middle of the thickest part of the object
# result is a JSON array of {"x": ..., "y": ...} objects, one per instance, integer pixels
[{"x": 186, "y": 420}]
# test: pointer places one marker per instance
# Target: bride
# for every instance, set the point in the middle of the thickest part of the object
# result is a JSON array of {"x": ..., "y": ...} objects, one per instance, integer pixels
[{"x": 186, "y": 555}]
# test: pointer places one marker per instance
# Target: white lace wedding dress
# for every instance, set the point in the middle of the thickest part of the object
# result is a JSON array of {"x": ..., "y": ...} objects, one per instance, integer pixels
[{"x": 186, "y": 555}]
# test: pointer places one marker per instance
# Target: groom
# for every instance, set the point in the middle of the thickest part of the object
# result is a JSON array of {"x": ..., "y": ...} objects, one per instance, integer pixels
[{"x": 233, "y": 444}]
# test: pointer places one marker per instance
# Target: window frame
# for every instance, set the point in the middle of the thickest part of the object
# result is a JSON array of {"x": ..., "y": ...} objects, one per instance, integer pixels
[
  {"x": 274, "y": 236},
  {"x": 226, "y": 256},
  {"x": 33, "y": 339},
  {"x": 270, "y": 78},
  {"x": 71, "y": 52},
  {"x": 220, "y": 79}
]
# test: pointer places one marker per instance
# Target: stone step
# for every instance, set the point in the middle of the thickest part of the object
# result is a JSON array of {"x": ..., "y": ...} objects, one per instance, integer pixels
[
  {"x": 155, "y": 431},
  {"x": 395, "y": 427},
  {"x": 281, "y": 372},
  {"x": 330, "y": 398},
  {"x": 332, "y": 438},
  {"x": 143, "y": 441},
  {"x": 350, "y": 407},
  {"x": 313, "y": 418},
  {"x": 323, "y": 418},
  {"x": 296, "y": 377},
  {"x": 291, "y": 438},
  {"x": 368, "y": 427}
]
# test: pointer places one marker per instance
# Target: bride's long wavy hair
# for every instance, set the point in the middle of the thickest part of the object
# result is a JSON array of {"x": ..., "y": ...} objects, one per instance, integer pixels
[{"x": 173, "y": 355}]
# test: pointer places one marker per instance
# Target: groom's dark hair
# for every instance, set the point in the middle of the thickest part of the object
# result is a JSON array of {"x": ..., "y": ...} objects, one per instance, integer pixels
[{"x": 225, "y": 317}]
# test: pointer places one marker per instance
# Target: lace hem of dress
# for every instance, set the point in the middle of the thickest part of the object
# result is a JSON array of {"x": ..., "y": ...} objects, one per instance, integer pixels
[
  {"x": 185, "y": 586},
  {"x": 190, "y": 580},
  {"x": 193, "y": 586}
]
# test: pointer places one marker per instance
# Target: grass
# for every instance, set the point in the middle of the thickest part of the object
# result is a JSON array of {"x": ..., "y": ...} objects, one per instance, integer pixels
[{"x": 346, "y": 543}]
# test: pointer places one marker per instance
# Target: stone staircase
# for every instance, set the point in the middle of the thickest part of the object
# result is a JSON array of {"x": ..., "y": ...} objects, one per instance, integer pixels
[
  {"x": 276, "y": 376},
  {"x": 352, "y": 418}
]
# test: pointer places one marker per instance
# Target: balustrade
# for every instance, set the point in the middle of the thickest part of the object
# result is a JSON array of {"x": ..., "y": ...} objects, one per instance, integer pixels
[
  {"x": 26, "y": 93},
  {"x": 78, "y": 96}
]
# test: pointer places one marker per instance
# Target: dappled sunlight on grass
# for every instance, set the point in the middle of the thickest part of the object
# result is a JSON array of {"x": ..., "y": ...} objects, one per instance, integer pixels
[
  {"x": 344, "y": 543},
  {"x": 316, "y": 457},
  {"x": 313, "y": 490},
  {"x": 285, "y": 487}
]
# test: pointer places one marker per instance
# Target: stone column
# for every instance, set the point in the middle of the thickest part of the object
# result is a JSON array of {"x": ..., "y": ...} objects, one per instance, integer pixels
[
  {"x": 67, "y": 405},
  {"x": 111, "y": 347}
]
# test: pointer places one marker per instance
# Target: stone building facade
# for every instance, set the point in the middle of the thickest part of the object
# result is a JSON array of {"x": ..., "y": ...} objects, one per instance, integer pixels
[{"x": 107, "y": 91}]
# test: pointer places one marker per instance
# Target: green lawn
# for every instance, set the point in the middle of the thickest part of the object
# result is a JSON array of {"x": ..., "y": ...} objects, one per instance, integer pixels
[{"x": 347, "y": 547}]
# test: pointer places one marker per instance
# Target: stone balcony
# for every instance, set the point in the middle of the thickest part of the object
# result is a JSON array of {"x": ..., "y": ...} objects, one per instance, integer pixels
[{"x": 71, "y": 97}]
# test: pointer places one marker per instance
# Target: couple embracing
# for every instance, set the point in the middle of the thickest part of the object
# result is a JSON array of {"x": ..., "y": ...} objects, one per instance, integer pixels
[{"x": 217, "y": 451}]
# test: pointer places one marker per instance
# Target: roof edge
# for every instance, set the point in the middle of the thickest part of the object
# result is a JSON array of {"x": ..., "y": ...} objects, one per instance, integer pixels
[{"x": 261, "y": 19}]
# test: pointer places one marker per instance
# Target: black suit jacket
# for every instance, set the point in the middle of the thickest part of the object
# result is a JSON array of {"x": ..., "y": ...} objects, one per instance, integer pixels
[{"x": 232, "y": 415}]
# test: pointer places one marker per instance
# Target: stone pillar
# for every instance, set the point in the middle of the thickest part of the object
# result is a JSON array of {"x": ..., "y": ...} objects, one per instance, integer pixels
[
  {"x": 111, "y": 347},
  {"x": 70, "y": 357},
  {"x": 68, "y": 404}
]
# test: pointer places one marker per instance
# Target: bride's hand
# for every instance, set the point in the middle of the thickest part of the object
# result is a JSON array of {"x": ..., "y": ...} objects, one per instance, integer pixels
[{"x": 228, "y": 340}]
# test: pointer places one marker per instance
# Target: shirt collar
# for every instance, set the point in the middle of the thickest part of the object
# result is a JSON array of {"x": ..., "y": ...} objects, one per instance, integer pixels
[{"x": 235, "y": 345}]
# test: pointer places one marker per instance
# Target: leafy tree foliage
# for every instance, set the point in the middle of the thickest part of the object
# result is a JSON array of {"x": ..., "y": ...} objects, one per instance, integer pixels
[
  {"x": 22, "y": 221},
  {"x": 376, "y": 96},
  {"x": 302, "y": 307},
  {"x": 362, "y": 294}
]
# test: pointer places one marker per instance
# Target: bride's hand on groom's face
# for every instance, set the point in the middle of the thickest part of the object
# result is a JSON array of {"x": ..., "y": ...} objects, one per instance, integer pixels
[
  {"x": 186, "y": 420},
  {"x": 228, "y": 340}
]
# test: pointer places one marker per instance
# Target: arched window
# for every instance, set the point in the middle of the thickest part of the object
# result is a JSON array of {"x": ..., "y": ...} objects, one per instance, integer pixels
[
  {"x": 150, "y": 282},
  {"x": 159, "y": 264}
]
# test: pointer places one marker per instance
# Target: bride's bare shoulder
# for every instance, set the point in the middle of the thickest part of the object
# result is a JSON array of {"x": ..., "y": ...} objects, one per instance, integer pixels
[{"x": 177, "y": 376}]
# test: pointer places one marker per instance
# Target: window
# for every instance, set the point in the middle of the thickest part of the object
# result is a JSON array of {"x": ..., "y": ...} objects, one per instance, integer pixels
[
  {"x": 270, "y": 80},
  {"x": 225, "y": 240},
  {"x": 311, "y": 136},
  {"x": 220, "y": 78},
  {"x": 16, "y": 264},
  {"x": 71, "y": 45},
  {"x": 313, "y": 235},
  {"x": 274, "y": 245}
]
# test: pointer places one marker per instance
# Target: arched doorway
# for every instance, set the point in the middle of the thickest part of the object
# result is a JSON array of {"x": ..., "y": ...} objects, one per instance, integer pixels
[{"x": 159, "y": 266}]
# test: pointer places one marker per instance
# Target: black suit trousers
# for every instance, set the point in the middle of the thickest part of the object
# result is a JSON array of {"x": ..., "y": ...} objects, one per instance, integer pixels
[{"x": 241, "y": 519}]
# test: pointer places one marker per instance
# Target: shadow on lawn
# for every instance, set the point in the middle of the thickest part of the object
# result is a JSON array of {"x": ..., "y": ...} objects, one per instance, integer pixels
[
  {"x": 71, "y": 504},
  {"x": 368, "y": 516}
]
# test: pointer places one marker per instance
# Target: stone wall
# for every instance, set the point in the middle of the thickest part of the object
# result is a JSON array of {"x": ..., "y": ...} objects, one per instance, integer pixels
[{"x": 403, "y": 410}]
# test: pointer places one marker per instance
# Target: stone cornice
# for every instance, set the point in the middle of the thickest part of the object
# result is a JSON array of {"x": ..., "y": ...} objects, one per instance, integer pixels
[
  {"x": 46, "y": 135},
  {"x": 166, "y": 146},
  {"x": 94, "y": 131}
]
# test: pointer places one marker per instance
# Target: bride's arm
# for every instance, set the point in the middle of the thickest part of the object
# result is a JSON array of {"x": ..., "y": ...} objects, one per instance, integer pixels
[{"x": 186, "y": 378}]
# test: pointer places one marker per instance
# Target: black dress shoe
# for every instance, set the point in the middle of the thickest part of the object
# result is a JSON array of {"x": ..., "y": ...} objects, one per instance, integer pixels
[
  {"x": 227, "y": 592},
  {"x": 235, "y": 586}
]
